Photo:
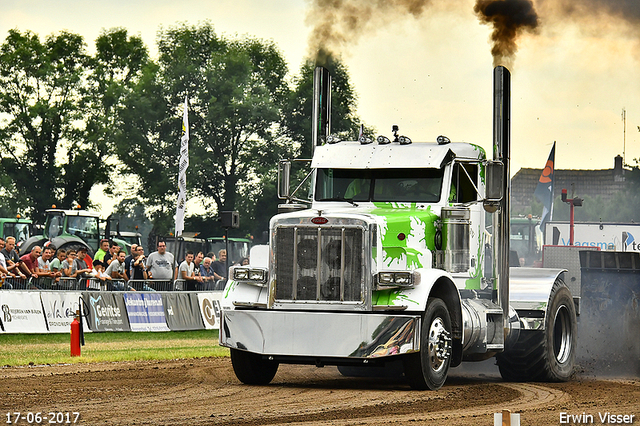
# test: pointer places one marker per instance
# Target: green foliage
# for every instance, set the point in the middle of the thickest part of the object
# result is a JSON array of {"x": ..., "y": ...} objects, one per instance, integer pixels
[
  {"x": 114, "y": 70},
  {"x": 74, "y": 120},
  {"x": 132, "y": 217},
  {"x": 40, "y": 84},
  {"x": 297, "y": 115},
  {"x": 236, "y": 90},
  {"x": 58, "y": 113}
]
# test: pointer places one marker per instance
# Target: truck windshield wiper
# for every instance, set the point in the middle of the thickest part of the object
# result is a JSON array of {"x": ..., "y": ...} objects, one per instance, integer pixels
[{"x": 348, "y": 200}]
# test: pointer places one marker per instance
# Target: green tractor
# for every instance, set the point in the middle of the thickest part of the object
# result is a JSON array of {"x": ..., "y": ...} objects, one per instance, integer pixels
[
  {"x": 73, "y": 229},
  {"x": 16, "y": 227}
]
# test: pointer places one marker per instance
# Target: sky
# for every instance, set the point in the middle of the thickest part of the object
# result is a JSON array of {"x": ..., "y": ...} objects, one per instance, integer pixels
[{"x": 429, "y": 72}]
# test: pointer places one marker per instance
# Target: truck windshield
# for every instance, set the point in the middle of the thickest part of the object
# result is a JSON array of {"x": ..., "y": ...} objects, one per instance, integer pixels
[{"x": 399, "y": 185}]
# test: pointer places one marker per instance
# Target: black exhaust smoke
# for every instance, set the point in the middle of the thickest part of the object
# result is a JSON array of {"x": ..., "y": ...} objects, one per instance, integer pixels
[{"x": 509, "y": 18}]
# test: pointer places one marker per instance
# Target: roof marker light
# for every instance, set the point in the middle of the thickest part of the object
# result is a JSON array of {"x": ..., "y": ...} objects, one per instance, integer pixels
[
  {"x": 404, "y": 140},
  {"x": 443, "y": 140},
  {"x": 383, "y": 140}
]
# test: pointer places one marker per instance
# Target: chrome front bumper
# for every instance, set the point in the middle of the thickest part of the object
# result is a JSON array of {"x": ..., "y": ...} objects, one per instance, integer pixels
[{"x": 320, "y": 334}]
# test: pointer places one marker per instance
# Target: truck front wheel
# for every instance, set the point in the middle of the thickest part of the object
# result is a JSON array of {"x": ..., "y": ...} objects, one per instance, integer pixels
[
  {"x": 545, "y": 355},
  {"x": 252, "y": 369},
  {"x": 428, "y": 369}
]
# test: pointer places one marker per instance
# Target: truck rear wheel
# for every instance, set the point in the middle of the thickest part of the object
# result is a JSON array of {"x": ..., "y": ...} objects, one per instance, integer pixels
[
  {"x": 545, "y": 355},
  {"x": 252, "y": 369},
  {"x": 429, "y": 368}
]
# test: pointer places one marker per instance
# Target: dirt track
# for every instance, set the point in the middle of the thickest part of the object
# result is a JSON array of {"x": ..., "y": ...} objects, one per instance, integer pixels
[{"x": 206, "y": 392}]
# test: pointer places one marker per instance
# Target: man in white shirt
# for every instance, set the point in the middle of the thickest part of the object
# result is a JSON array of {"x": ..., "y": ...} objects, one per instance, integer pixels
[
  {"x": 160, "y": 264},
  {"x": 116, "y": 271},
  {"x": 186, "y": 272},
  {"x": 116, "y": 267},
  {"x": 43, "y": 269}
]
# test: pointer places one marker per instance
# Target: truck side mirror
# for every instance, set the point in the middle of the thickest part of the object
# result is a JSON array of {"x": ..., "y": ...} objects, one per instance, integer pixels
[
  {"x": 494, "y": 188},
  {"x": 284, "y": 177}
]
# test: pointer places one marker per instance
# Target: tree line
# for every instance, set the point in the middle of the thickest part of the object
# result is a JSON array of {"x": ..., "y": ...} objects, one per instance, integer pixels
[{"x": 70, "y": 120}]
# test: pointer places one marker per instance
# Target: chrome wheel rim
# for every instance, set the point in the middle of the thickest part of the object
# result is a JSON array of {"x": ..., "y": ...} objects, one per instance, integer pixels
[
  {"x": 439, "y": 344},
  {"x": 562, "y": 335}
]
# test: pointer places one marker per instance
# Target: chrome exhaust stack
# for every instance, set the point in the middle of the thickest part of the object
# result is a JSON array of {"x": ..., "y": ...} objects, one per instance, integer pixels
[
  {"x": 502, "y": 153},
  {"x": 321, "y": 109}
]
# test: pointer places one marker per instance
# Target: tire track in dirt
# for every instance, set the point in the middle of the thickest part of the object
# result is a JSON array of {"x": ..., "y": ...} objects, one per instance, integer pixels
[
  {"x": 206, "y": 392},
  {"x": 429, "y": 407}
]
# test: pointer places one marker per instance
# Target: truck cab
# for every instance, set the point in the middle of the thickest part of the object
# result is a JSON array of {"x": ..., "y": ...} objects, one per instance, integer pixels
[{"x": 391, "y": 202}]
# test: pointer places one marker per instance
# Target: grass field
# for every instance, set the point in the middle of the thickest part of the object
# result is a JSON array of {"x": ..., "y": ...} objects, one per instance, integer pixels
[{"x": 39, "y": 349}]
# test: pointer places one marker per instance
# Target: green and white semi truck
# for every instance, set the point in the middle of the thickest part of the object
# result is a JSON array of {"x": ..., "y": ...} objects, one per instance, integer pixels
[{"x": 402, "y": 257}]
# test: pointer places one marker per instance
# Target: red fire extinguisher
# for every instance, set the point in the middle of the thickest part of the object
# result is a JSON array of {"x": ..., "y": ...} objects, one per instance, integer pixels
[{"x": 75, "y": 335}]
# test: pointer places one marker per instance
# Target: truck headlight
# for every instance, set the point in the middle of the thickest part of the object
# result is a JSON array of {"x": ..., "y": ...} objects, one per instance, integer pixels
[
  {"x": 256, "y": 276},
  {"x": 240, "y": 274},
  {"x": 386, "y": 280},
  {"x": 403, "y": 278}
]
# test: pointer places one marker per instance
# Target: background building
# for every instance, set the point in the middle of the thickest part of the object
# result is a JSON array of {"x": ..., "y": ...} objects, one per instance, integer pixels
[{"x": 587, "y": 183}]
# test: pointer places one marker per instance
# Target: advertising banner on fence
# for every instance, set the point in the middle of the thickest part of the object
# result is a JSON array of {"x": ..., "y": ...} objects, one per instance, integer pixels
[
  {"x": 182, "y": 311},
  {"x": 21, "y": 312},
  {"x": 107, "y": 311},
  {"x": 210, "y": 309},
  {"x": 145, "y": 311},
  {"x": 60, "y": 308}
]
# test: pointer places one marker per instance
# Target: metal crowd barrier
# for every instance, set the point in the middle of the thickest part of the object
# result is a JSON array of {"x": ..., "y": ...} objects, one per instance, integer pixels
[
  {"x": 95, "y": 284},
  {"x": 42, "y": 283},
  {"x": 16, "y": 284},
  {"x": 191, "y": 285},
  {"x": 68, "y": 283},
  {"x": 151, "y": 285},
  {"x": 219, "y": 285}
]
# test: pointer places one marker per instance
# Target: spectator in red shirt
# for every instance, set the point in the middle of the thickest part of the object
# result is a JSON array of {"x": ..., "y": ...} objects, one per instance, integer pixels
[{"x": 29, "y": 262}]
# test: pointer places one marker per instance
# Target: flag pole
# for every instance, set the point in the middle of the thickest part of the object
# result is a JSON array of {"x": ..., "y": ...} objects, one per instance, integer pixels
[
  {"x": 544, "y": 190},
  {"x": 182, "y": 175}
]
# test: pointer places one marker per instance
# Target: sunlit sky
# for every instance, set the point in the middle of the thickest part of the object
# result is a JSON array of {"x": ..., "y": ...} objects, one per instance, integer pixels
[{"x": 431, "y": 75}]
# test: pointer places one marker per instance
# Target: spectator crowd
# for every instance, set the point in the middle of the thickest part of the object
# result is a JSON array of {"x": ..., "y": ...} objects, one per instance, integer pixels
[{"x": 111, "y": 267}]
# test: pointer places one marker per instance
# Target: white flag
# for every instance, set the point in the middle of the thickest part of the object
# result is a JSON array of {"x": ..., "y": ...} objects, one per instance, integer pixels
[{"x": 182, "y": 175}]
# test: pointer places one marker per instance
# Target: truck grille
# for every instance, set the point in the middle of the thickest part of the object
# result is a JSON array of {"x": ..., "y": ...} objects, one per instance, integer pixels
[{"x": 319, "y": 264}]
